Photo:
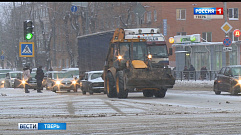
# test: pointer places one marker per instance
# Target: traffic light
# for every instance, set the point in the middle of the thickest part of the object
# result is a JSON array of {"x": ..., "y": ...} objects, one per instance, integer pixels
[{"x": 28, "y": 29}]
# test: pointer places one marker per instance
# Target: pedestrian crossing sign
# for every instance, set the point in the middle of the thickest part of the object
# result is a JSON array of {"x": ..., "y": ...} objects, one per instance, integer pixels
[{"x": 26, "y": 49}]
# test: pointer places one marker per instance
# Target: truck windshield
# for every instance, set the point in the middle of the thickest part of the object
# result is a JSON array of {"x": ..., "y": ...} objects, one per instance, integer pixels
[
  {"x": 139, "y": 51},
  {"x": 158, "y": 51}
]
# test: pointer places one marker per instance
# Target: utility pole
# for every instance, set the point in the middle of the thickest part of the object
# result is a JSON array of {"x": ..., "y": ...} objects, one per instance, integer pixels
[{"x": 226, "y": 35}]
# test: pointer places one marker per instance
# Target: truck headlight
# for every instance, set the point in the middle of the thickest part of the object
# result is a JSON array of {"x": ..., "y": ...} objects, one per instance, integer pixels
[
  {"x": 119, "y": 57},
  {"x": 149, "y": 56},
  {"x": 74, "y": 82},
  {"x": 239, "y": 81}
]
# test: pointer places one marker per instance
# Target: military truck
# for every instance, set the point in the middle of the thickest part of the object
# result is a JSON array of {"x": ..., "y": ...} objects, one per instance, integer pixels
[{"x": 128, "y": 67}]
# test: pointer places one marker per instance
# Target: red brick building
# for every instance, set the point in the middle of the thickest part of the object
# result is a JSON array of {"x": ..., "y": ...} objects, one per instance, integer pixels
[{"x": 180, "y": 20}]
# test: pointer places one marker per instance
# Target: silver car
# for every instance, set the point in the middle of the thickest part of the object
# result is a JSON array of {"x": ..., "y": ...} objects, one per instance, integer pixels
[
  {"x": 13, "y": 79},
  {"x": 60, "y": 80},
  {"x": 92, "y": 82}
]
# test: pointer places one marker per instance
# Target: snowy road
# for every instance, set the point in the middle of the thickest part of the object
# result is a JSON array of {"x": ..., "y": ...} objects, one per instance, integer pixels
[{"x": 180, "y": 112}]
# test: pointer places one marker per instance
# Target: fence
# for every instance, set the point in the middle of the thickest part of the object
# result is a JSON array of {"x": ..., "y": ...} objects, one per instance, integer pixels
[{"x": 194, "y": 75}]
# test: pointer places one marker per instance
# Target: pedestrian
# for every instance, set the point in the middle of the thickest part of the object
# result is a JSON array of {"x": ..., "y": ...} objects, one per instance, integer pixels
[
  {"x": 39, "y": 77},
  {"x": 26, "y": 76},
  {"x": 203, "y": 72},
  {"x": 192, "y": 70},
  {"x": 185, "y": 72}
]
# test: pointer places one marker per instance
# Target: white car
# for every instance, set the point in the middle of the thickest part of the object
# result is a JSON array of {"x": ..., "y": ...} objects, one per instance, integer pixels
[
  {"x": 92, "y": 82},
  {"x": 13, "y": 79}
]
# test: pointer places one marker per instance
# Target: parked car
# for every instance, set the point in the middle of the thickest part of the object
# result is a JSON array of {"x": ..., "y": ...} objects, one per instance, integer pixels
[
  {"x": 60, "y": 80},
  {"x": 228, "y": 79},
  {"x": 2, "y": 79},
  {"x": 92, "y": 82},
  {"x": 5, "y": 70},
  {"x": 13, "y": 79}
]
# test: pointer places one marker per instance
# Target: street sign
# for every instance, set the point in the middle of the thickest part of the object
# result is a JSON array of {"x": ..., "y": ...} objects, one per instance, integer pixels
[
  {"x": 80, "y": 4},
  {"x": 227, "y": 42},
  {"x": 226, "y": 49},
  {"x": 26, "y": 49},
  {"x": 236, "y": 32},
  {"x": 73, "y": 8},
  {"x": 164, "y": 27},
  {"x": 226, "y": 27}
]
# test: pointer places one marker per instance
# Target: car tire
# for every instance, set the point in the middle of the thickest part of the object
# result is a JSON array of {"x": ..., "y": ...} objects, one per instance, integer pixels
[
  {"x": 83, "y": 91},
  {"x": 148, "y": 93},
  {"x": 160, "y": 93},
  {"x": 110, "y": 86},
  {"x": 234, "y": 91},
  {"x": 121, "y": 92},
  {"x": 215, "y": 89}
]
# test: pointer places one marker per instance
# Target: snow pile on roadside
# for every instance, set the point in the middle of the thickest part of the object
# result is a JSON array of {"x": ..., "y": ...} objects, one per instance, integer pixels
[{"x": 194, "y": 84}]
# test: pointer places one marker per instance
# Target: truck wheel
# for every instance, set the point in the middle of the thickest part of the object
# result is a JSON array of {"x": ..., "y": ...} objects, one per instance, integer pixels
[
  {"x": 121, "y": 92},
  {"x": 110, "y": 83},
  {"x": 215, "y": 89},
  {"x": 160, "y": 93},
  {"x": 148, "y": 93},
  {"x": 234, "y": 91}
]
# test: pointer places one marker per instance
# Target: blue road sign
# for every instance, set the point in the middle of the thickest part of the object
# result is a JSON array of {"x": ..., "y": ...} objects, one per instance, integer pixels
[
  {"x": 164, "y": 27},
  {"x": 74, "y": 8},
  {"x": 227, "y": 42},
  {"x": 26, "y": 49},
  {"x": 2, "y": 57}
]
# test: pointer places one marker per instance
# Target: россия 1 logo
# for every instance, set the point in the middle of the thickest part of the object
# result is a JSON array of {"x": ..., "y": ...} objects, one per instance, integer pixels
[{"x": 208, "y": 11}]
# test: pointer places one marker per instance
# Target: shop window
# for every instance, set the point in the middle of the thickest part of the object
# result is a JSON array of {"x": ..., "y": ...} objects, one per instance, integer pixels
[
  {"x": 207, "y": 36},
  {"x": 181, "y": 14},
  {"x": 148, "y": 16},
  {"x": 181, "y": 33},
  {"x": 233, "y": 13},
  {"x": 155, "y": 16}
]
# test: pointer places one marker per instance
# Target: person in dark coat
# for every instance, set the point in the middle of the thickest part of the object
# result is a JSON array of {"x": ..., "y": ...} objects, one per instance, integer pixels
[
  {"x": 203, "y": 72},
  {"x": 192, "y": 70},
  {"x": 39, "y": 77},
  {"x": 185, "y": 72}
]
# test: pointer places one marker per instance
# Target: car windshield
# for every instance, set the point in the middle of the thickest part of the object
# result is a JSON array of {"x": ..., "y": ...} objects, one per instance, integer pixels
[
  {"x": 5, "y": 70},
  {"x": 33, "y": 74},
  {"x": 139, "y": 51},
  {"x": 15, "y": 75},
  {"x": 236, "y": 71},
  {"x": 62, "y": 75},
  {"x": 2, "y": 75},
  {"x": 96, "y": 75},
  {"x": 73, "y": 72},
  {"x": 158, "y": 51}
]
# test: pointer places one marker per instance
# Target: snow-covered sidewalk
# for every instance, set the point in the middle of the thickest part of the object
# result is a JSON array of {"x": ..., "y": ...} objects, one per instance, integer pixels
[{"x": 192, "y": 84}]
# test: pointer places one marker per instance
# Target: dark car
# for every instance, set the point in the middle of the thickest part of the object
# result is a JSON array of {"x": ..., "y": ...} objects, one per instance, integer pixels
[
  {"x": 228, "y": 79},
  {"x": 92, "y": 82}
]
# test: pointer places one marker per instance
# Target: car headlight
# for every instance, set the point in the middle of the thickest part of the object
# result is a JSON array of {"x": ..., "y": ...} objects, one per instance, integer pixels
[
  {"x": 74, "y": 82},
  {"x": 2, "y": 81},
  {"x": 58, "y": 82},
  {"x": 239, "y": 81},
  {"x": 23, "y": 82}
]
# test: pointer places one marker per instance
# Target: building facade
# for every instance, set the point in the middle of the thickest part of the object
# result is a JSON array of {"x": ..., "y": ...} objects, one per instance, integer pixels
[{"x": 180, "y": 21}]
